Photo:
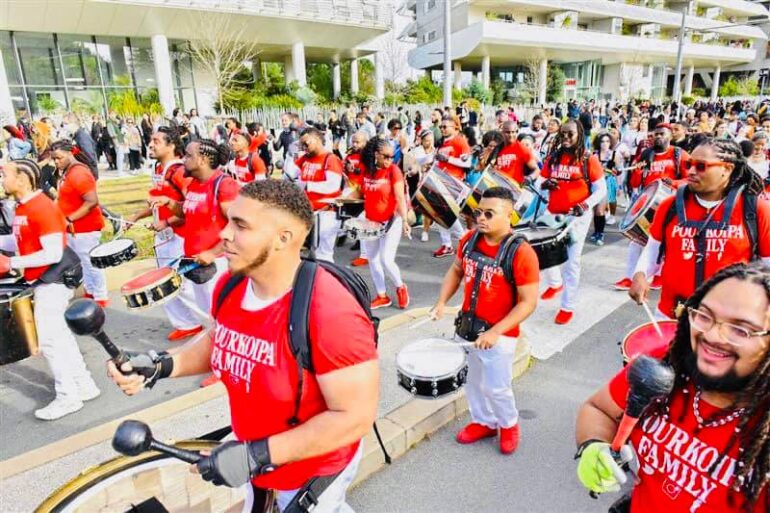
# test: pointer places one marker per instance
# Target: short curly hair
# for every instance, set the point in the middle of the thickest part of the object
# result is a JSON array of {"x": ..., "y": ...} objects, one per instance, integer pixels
[{"x": 282, "y": 195}]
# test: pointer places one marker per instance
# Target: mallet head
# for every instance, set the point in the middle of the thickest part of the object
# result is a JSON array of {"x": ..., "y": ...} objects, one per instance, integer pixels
[{"x": 84, "y": 317}]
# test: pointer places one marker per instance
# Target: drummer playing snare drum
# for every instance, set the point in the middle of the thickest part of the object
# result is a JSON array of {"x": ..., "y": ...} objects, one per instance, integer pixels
[
  {"x": 39, "y": 239},
  {"x": 495, "y": 303}
]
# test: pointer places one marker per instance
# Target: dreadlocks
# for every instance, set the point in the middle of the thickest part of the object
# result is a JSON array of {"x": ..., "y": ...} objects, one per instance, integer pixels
[
  {"x": 729, "y": 151},
  {"x": 579, "y": 150},
  {"x": 752, "y": 472},
  {"x": 374, "y": 145},
  {"x": 216, "y": 154}
]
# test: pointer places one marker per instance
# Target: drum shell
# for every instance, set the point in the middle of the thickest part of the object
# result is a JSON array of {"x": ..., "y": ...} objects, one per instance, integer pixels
[
  {"x": 349, "y": 209},
  {"x": 440, "y": 196},
  {"x": 18, "y": 334},
  {"x": 154, "y": 294},
  {"x": 432, "y": 388},
  {"x": 115, "y": 259},
  {"x": 552, "y": 250},
  {"x": 488, "y": 180},
  {"x": 635, "y": 225}
]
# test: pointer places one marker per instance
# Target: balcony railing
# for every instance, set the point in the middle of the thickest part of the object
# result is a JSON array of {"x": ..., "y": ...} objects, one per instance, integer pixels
[{"x": 376, "y": 13}]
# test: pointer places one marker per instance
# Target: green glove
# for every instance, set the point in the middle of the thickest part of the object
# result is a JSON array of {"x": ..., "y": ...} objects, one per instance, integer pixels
[{"x": 599, "y": 471}]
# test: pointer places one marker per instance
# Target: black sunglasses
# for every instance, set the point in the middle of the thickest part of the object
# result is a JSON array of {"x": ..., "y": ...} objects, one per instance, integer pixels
[{"x": 488, "y": 214}]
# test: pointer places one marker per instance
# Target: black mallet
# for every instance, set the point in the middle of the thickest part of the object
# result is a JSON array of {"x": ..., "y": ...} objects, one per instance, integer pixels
[
  {"x": 86, "y": 317},
  {"x": 132, "y": 438}
]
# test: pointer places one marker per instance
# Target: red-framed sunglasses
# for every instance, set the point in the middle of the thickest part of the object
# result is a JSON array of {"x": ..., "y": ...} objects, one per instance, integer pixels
[{"x": 701, "y": 165}]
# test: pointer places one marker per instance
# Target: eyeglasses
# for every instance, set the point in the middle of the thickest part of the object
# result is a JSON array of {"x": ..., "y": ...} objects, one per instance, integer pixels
[
  {"x": 387, "y": 156},
  {"x": 568, "y": 134},
  {"x": 731, "y": 333},
  {"x": 444, "y": 127},
  {"x": 701, "y": 165},
  {"x": 488, "y": 214}
]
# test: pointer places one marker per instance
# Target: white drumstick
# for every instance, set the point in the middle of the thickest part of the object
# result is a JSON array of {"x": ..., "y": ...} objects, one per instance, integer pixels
[
  {"x": 652, "y": 319},
  {"x": 420, "y": 323}
]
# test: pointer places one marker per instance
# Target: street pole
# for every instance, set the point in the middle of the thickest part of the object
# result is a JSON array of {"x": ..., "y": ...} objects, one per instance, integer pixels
[
  {"x": 678, "y": 72},
  {"x": 447, "y": 53}
]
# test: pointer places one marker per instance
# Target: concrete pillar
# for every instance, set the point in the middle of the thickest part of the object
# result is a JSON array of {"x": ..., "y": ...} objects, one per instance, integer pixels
[
  {"x": 485, "y": 74},
  {"x": 458, "y": 75},
  {"x": 542, "y": 84},
  {"x": 688, "y": 81},
  {"x": 715, "y": 85},
  {"x": 354, "y": 76},
  {"x": 379, "y": 77},
  {"x": 288, "y": 69},
  {"x": 298, "y": 61},
  {"x": 7, "y": 113},
  {"x": 163, "y": 78},
  {"x": 256, "y": 70},
  {"x": 336, "y": 80}
]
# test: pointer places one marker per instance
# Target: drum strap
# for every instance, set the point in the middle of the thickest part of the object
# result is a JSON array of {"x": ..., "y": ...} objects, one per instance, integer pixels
[{"x": 503, "y": 259}]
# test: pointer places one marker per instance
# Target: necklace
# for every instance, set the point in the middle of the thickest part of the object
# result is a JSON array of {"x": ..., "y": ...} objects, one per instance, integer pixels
[{"x": 716, "y": 422}]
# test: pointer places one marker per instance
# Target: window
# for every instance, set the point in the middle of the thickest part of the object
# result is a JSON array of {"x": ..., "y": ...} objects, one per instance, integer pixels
[
  {"x": 81, "y": 66},
  {"x": 114, "y": 54},
  {"x": 39, "y": 59},
  {"x": 429, "y": 4}
]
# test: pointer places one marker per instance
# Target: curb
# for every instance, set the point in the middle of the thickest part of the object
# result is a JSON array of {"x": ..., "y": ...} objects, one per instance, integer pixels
[{"x": 401, "y": 428}]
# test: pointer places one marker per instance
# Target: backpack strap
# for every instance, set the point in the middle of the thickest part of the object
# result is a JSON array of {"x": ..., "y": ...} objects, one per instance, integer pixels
[
  {"x": 506, "y": 255},
  {"x": 217, "y": 183},
  {"x": 299, "y": 324},
  {"x": 232, "y": 282},
  {"x": 677, "y": 160},
  {"x": 671, "y": 213},
  {"x": 750, "y": 220}
]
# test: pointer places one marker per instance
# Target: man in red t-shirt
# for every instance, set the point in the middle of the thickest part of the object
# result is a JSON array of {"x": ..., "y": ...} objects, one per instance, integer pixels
[
  {"x": 169, "y": 179},
  {"x": 506, "y": 291},
  {"x": 716, "y": 176},
  {"x": 249, "y": 349},
  {"x": 576, "y": 184},
  {"x": 704, "y": 446},
  {"x": 515, "y": 160},
  {"x": 453, "y": 157},
  {"x": 39, "y": 242},
  {"x": 79, "y": 203},
  {"x": 355, "y": 174},
  {"x": 247, "y": 165},
  {"x": 321, "y": 176}
]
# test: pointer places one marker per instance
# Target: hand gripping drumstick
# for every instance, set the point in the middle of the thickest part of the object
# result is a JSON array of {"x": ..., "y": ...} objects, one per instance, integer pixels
[
  {"x": 132, "y": 438},
  {"x": 86, "y": 317}
]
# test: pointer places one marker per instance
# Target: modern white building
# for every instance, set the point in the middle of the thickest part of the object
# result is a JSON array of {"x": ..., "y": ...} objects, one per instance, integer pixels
[
  {"x": 82, "y": 50},
  {"x": 607, "y": 48}
]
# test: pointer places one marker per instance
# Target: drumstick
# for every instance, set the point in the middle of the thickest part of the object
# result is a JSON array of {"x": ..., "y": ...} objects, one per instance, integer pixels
[
  {"x": 652, "y": 319},
  {"x": 420, "y": 323}
]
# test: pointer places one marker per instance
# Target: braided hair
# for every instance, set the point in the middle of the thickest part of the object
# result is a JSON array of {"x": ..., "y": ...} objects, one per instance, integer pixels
[
  {"x": 374, "y": 145},
  {"x": 31, "y": 170},
  {"x": 557, "y": 150},
  {"x": 753, "y": 438},
  {"x": 216, "y": 154},
  {"x": 730, "y": 151},
  {"x": 81, "y": 156},
  {"x": 172, "y": 136}
]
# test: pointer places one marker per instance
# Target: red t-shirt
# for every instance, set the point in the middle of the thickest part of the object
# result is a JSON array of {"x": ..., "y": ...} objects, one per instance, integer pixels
[
  {"x": 723, "y": 248},
  {"x": 675, "y": 461},
  {"x": 35, "y": 218},
  {"x": 257, "y": 141},
  {"x": 203, "y": 214},
  {"x": 169, "y": 181},
  {"x": 663, "y": 166},
  {"x": 356, "y": 177},
  {"x": 77, "y": 182},
  {"x": 454, "y": 147},
  {"x": 496, "y": 298},
  {"x": 512, "y": 159},
  {"x": 252, "y": 356},
  {"x": 239, "y": 167},
  {"x": 314, "y": 169},
  {"x": 572, "y": 188},
  {"x": 379, "y": 193}
]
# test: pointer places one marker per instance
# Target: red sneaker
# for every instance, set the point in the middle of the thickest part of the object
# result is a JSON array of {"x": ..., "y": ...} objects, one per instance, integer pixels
[
  {"x": 104, "y": 303},
  {"x": 209, "y": 380},
  {"x": 624, "y": 284},
  {"x": 380, "y": 302},
  {"x": 474, "y": 432},
  {"x": 403, "y": 297},
  {"x": 86, "y": 295},
  {"x": 443, "y": 251},
  {"x": 177, "y": 335},
  {"x": 359, "y": 262},
  {"x": 509, "y": 439},
  {"x": 657, "y": 283},
  {"x": 551, "y": 292},
  {"x": 563, "y": 317}
]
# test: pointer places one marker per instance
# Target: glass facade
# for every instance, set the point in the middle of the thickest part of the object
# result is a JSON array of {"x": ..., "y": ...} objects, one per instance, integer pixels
[{"x": 86, "y": 74}]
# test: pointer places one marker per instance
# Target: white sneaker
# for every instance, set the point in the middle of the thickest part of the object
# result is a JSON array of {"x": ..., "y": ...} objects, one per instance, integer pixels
[
  {"x": 58, "y": 408},
  {"x": 424, "y": 236},
  {"x": 611, "y": 220},
  {"x": 88, "y": 391}
]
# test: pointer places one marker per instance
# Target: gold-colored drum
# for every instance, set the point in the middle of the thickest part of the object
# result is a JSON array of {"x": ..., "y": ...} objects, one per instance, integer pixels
[{"x": 18, "y": 335}]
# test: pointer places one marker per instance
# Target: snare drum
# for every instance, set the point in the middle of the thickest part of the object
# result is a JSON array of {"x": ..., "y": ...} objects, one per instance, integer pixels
[
  {"x": 636, "y": 223},
  {"x": 644, "y": 339},
  {"x": 439, "y": 196},
  {"x": 431, "y": 368},
  {"x": 550, "y": 244},
  {"x": 113, "y": 253},
  {"x": 348, "y": 208},
  {"x": 363, "y": 229},
  {"x": 490, "y": 178},
  {"x": 18, "y": 335},
  {"x": 152, "y": 288}
]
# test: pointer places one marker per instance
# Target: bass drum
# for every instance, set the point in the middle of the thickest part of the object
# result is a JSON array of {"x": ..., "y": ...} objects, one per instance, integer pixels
[{"x": 154, "y": 481}]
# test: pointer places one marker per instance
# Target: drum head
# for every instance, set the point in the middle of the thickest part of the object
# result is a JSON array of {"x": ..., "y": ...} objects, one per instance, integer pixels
[
  {"x": 639, "y": 207},
  {"x": 430, "y": 358},
  {"x": 111, "y": 248},
  {"x": 146, "y": 279},
  {"x": 645, "y": 340}
]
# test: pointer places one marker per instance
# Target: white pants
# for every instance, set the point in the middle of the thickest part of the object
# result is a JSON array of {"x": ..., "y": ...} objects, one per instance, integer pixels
[
  {"x": 57, "y": 343},
  {"x": 362, "y": 252},
  {"x": 382, "y": 256},
  {"x": 488, "y": 388},
  {"x": 203, "y": 292},
  {"x": 332, "y": 500},
  {"x": 120, "y": 157},
  {"x": 456, "y": 230},
  {"x": 569, "y": 272},
  {"x": 178, "y": 313},
  {"x": 94, "y": 280},
  {"x": 634, "y": 252},
  {"x": 327, "y": 225}
]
